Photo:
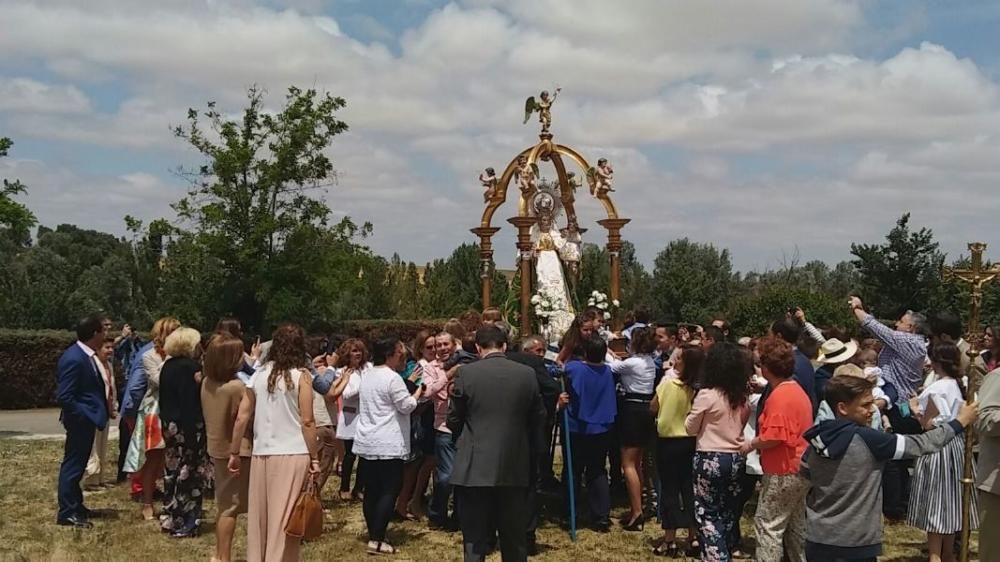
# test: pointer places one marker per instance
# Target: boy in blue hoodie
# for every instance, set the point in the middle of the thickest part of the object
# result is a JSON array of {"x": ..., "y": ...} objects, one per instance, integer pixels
[{"x": 844, "y": 463}]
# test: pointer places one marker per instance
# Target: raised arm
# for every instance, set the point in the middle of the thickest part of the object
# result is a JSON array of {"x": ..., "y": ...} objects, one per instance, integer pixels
[{"x": 401, "y": 398}]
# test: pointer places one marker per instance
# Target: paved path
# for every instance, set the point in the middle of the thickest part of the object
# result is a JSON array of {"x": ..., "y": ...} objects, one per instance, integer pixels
[{"x": 37, "y": 424}]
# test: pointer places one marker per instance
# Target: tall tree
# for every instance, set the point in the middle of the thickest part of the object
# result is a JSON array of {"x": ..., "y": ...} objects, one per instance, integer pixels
[
  {"x": 595, "y": 275},
  {"x": 691, "y": 281},
  {"x": 16, "y": 220},
  {"x": 903, "y": 273},
  {"x": 257, "y": 189}
]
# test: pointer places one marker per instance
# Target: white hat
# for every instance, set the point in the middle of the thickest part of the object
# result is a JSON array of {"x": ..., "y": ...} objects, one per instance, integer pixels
[{"x": 836, "y": 351}]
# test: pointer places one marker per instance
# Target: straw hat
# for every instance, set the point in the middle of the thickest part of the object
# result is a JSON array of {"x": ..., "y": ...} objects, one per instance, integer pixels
[
  {"x": 850, "y": 370},
  {"x": 836, "y": 351}
]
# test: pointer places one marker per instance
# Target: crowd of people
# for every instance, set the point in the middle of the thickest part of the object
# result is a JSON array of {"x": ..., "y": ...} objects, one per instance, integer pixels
[{"x": 462, "y": 426}]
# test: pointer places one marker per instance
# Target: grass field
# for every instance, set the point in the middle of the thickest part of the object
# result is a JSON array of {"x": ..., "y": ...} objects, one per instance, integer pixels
[{"x": 28, "y": 471}]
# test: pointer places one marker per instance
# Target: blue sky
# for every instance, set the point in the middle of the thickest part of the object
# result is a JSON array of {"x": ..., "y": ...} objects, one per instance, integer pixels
[{"x": 780, "y": 128}]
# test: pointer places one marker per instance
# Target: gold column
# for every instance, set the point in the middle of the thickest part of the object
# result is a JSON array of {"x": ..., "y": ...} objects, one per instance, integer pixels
[
  {"x": 485, "y": 235},
  {"x": 614, "y": 246},
  {"x": 525, "y": 257}
]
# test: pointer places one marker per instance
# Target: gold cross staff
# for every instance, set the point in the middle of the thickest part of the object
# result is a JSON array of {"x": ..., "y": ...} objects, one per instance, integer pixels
[{"x": 976, "y": 276}]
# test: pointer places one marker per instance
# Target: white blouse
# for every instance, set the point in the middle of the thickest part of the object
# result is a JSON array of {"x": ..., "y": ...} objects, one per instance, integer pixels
[
  {"x": 277, "y": 425},
  {"x": 946, "y": 397},
  {"x": 638, "y": 373},
  {"x": 383, "y": 425},
  {"x": 349, "y": 403}
]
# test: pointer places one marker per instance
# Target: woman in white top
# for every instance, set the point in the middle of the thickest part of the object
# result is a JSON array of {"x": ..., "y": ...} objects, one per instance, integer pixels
[
  {"x": 635, "y": 422},
  {"x": 382, "y": 439},
  {"x": 936, "y": 490},
  {"x": 351, "y": 362},
  {"x": 280, "y": 400}
]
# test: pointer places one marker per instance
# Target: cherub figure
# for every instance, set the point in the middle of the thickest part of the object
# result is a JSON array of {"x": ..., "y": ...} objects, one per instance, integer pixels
[
  {"x": 527, "y": 173},
  {"x": 543, "y": 106},
  {"x": 489, "y": 180},
  {"x": 601, "y": 177}
]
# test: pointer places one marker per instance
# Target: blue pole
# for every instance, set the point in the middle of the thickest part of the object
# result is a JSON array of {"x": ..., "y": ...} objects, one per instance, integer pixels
[{"x": 568, "y": 461}]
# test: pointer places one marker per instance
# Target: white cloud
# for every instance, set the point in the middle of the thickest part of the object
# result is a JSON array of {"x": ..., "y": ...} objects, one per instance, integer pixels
[
  {"x": 679, "y": 95},
  {"x": 31, "y": 96}
]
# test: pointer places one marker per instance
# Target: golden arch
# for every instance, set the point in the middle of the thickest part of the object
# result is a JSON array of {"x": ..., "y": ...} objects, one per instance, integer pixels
[{"x": 545, "y": 150}]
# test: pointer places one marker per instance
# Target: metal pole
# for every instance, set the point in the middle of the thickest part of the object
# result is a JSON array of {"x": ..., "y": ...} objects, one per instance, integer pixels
[{"x": 568, "y": 461}]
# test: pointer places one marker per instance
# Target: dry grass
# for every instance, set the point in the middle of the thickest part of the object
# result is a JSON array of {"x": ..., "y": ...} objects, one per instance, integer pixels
[{"x": 28, "y": 472}]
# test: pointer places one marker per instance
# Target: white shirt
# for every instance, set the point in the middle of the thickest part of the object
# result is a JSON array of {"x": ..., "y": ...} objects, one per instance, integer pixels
[
  {"x": 383, "y": 430},
  {"x": 347, "y": 417},
  {"x": 277, "y": 425},
  {"x": 638, "y": 373},
  {"x": 946, "y": 397}
]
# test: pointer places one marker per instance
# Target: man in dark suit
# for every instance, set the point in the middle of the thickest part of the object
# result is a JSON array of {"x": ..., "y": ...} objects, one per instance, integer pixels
[
  {"x": 541, "y": 464},
  {"x": 495, "y": 411},
  {"x": 85, "y": 406}
]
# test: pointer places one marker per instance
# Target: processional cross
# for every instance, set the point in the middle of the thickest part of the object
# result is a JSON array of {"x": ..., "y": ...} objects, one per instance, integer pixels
[{"x": 976, "y": 276}]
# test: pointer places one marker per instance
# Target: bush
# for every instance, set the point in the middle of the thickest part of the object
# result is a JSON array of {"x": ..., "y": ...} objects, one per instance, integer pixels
[{"x": 28, "y": 358}]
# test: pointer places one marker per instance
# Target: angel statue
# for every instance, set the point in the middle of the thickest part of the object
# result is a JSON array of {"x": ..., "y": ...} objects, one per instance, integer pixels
[
  {"x": 569, "y": 196},
  {"x": 543, "y": 106},
  {"x": 600, "y": 177},
  {"x": 527, "y": 173},
  {"x": 489, "y": 180}
]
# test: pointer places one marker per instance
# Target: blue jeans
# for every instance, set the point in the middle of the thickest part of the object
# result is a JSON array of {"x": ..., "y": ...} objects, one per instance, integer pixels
[{"x": 444, "y": 450}]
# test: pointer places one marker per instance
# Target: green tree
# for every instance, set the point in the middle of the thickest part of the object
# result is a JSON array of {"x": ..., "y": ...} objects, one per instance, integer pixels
[
  {"x": 16, "y": 220},
  {"x": 256, "y": 192},
  {"x": 903, "y": 273},
  {"x": 454, "y": 285},
  {"x": 595, "y": 275},
  {"x": 691, "y": 281}
]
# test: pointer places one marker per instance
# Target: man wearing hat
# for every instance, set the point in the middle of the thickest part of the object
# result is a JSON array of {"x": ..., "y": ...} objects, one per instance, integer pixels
[{"x": 832, "y": 354}]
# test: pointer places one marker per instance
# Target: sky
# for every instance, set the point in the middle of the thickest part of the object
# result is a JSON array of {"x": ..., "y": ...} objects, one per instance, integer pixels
[{"x": 779, "y": 129}]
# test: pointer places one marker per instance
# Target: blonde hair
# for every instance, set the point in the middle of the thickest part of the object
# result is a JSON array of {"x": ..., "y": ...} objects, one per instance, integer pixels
[
  {"x": 162, "y": 328},
  {"x": 182, "y": 342}
]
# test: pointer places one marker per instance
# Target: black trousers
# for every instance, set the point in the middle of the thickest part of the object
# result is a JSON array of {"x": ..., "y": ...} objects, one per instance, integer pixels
[
  {"x": 748, "y": 485},
  {"x": 487, "y": 512},
  {"x": 589, "y": 452},
  {"x": 347, "y": 467},
  {"x": 76, "y": 453},
  {"x": 383, "y": 481},
  {"x": 125, "y": 426},
  {"x": 896, "y": 489},
  {"x": 674, "y": 458}
]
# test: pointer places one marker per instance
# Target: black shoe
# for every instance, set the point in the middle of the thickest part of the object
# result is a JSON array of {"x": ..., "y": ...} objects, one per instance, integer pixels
[
  {"x": 75, "y": 521},
  {"x": 634, "y": 525},
  {"x": 602, "y": 526}
]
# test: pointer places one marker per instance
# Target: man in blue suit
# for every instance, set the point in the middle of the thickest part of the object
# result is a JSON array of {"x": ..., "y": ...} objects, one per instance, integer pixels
[{"x": 85, "y": 403}]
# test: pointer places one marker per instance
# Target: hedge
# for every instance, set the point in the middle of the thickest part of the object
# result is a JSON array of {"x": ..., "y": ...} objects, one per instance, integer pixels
[{"x": 28, "y": 358}]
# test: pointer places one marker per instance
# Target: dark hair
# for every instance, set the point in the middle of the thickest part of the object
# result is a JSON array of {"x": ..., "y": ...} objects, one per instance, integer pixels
[
  {"x": 776, "y": 356},
  {"x": 643, "y": 315},
  {"x": 643, "y": 341},
  {"x": 694, "y": 361},
  {"x": 229, "y": 325},
  {"x": 715, "y": 333},
  {"x": 492, "y": 314},
  {"x": 808, "y": 346},
  {"x": 948, "y": 356},
  {"x": 288, "y": 351},
  {"x": 594, "y": 349},
  {"x": 845, "y": 389},
  {"x": 671, "y": 330},
  {"x": 787, "y": 329},
  {"x": 490, "y": 337},
  {"x": 384, "y": 348},
  {"x": 947, "y": 323},
  {"x": 726, "y": 370},
  {"x": 90, "y": 326}
]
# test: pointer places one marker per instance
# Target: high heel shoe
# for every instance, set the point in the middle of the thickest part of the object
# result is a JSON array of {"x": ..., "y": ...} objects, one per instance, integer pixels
[{"x": 635, "y": 524}]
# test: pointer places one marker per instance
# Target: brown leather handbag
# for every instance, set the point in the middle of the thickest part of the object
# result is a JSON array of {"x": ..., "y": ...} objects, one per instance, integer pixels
[{"x": 306, "y": 519}]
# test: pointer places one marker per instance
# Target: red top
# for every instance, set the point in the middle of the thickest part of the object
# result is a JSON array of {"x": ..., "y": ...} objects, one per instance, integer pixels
[{"x": 787, "y": 415}]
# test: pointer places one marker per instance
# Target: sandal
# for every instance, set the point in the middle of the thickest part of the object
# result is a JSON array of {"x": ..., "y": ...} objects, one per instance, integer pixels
[
  {"x": 378, "y": 547},
  {"x": 666, "y": 549}
]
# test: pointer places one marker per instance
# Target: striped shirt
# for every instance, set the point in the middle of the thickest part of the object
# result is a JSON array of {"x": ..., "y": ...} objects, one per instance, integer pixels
[{"x": 902, "y": 357}]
